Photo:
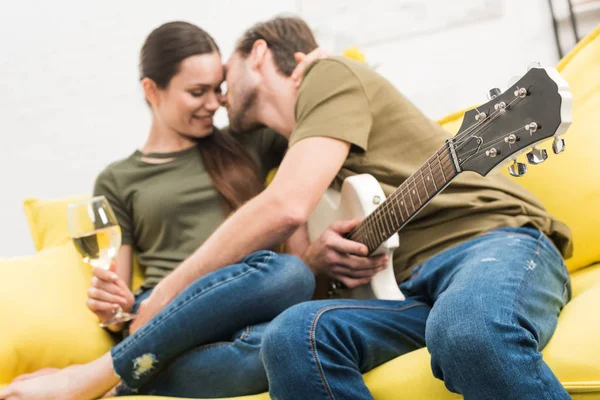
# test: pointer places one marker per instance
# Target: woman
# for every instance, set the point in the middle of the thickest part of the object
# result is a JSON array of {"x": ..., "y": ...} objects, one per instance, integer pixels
[{"x": 169, "y": 197}]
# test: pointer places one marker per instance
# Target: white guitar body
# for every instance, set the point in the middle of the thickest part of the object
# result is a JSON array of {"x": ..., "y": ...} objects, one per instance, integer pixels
[{"x": 359, "y": 196}]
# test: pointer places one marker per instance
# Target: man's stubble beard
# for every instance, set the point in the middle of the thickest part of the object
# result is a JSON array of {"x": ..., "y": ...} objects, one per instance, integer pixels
[{"x": 243, "y": 118}]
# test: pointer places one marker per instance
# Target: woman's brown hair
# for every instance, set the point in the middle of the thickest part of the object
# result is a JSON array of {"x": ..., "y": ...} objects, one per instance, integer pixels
[{"x": 231, "y": 168}]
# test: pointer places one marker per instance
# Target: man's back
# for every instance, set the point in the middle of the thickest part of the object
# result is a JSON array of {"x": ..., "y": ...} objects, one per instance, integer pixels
[{"x": 390, "y": 140}]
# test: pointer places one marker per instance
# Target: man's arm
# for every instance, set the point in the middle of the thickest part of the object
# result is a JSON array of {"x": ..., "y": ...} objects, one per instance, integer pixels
[{"x": 270, "y": 218}]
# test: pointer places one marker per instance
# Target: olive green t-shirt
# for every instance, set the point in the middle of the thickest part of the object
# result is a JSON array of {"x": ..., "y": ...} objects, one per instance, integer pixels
[
  {"x": 391, "y": 139},
  {"x": 167, "y": 210}
]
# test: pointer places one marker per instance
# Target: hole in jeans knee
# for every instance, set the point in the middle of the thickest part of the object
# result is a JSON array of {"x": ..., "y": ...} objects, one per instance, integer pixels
[{"x": 143, "y": 365}]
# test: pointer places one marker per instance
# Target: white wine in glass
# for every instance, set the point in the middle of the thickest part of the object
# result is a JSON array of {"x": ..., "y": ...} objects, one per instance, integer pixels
[{"x": 97, "y": 237}]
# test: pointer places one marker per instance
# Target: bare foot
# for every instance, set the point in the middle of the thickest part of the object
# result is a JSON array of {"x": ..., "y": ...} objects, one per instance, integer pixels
[
  {"x": 77, "y": 382},
  {"x": 39, "y": 372}
]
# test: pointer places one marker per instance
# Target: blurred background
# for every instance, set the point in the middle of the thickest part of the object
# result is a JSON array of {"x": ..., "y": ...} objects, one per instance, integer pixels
[{"x": 70, "y": 99}]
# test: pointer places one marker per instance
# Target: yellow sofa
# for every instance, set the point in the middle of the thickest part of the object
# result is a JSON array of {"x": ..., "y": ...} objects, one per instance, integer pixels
[{"x": 42, "y": 297}]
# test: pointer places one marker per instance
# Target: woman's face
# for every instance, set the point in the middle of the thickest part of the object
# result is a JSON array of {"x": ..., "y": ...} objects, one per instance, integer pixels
[{"x": 188, "y": 104}]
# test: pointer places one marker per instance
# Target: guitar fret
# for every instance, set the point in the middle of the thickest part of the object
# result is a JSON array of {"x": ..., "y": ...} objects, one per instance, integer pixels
[
  {"x": 416, "y": 191},
  {"x": 400, "y": 204},
  {"x": 388, "y": 219},
  {"x": 380, "y": 227},
  {"x": 371, "y": 233},
  {"x": 431, "y": 174},
  {"x": 412, "y": 201},
  {"x": 384, "y": 219},
  {"x": 429, "y": 180},
  {"x": 424, "y": 183},
  {"x": 393, "y": 208},
  {"x": 441, "y": 167}
]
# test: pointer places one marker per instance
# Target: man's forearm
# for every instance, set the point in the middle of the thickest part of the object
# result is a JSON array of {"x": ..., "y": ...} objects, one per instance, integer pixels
[{"x": 262, "y": 223}]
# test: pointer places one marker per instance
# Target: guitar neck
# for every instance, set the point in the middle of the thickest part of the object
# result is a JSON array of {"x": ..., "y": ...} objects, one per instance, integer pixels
[{"x": 412, "y": 195}]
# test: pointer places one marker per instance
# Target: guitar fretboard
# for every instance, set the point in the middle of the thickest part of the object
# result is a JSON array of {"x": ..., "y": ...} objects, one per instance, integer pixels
[{"x": 412, "y": 195}]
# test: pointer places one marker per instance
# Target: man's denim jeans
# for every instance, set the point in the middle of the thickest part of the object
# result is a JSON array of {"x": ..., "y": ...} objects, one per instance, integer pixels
[
  {"x": 485, "y": 309},
  {"x": 205, "y": 343}
]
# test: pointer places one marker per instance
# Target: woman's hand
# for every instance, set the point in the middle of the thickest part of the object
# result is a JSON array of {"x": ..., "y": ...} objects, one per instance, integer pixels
[
  {"x": 304, "y": 60},
  {"x": 107, "y": 293}
]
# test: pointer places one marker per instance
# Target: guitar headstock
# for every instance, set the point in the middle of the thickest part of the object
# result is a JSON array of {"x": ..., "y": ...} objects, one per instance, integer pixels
[{"x": 534, "y": 109}]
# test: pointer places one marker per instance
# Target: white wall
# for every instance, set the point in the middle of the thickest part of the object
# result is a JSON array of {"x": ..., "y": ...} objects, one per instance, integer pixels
[{"x": 70, "y": 101}]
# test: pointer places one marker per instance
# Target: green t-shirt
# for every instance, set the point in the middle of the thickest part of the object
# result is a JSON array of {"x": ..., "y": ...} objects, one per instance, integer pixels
[
  {"x": 167, "y": 210},
  {"x": 391, "y": 139}
]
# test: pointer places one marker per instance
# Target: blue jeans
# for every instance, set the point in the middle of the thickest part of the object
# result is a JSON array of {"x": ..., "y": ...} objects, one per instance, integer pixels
[
  {"x": 485, "y": 308},
  {"x": 205, "y": 343}
]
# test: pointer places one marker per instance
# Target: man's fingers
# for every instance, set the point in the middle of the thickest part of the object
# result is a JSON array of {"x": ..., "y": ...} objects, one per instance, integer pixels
[
  {"x": 348, "y": 247},
  {"x": 335, "y": 238},
  {"x": 299, "y": 70},
  {"x": 353, "y": 283},
  {"x": 299, "y": 57},
  {"x": 344, "y": 226},
  {"x": 342, "y": 271},
  {"x": 364, "y": 263}
]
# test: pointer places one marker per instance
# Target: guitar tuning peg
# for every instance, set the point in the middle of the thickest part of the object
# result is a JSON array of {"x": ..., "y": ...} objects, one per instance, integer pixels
[
  {"x": 535, "y": 64},
  {"x": 537, "y": 156},
  {"x": 558, "y": 146},
  {"x": 517, "y": 169},
  {"x": 513, "y": 80},
  {"x": 493, "y": 93}
]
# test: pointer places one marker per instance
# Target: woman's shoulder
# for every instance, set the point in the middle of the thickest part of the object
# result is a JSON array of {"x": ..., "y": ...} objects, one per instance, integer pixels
[{"x": 116, "y": 169}]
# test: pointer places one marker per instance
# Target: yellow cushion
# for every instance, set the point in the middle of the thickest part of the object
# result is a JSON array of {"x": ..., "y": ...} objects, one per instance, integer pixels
[
  {"x": 584, "y": 279},
  {"x": 47, "y": 220},
  {"x": 48, "y": 224},
  {"x": 568, "y": 184},
  {"x": 43, "y": 315}
]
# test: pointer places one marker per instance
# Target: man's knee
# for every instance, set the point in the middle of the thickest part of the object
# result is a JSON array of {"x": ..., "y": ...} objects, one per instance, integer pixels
[
  {"x": 285, "y": 334},
  {"x": 459, "y": 333},
  {"x": 295, "y": 332}
]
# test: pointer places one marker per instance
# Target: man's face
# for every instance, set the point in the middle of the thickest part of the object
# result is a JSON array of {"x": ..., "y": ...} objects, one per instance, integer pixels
[{"x": 242, "y": 94}]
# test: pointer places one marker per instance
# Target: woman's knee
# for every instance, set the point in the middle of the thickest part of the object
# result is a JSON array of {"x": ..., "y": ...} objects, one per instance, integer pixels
[{"x": 285, "y": 272}]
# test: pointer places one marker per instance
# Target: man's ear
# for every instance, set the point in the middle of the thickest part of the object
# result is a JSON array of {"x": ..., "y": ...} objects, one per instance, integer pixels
[
  {"x": 258, "y": 55},
  {"x": 150, "y": 91}
]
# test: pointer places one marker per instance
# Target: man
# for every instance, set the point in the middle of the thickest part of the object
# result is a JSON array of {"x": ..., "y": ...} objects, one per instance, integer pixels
[{"x": 481, "y": 266}]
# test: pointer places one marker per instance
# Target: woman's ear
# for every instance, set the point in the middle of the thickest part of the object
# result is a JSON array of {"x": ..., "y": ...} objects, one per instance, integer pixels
[{"x": 150, "y": 91}]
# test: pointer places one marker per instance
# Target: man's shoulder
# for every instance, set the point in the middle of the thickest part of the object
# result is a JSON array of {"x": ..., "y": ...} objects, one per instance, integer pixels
[
  {"x": 332, "y": 73},
  {"x": 336, "y": 65}
]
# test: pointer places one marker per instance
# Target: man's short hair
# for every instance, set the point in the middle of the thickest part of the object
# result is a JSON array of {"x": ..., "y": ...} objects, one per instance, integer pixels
[{"x": 284, "y": 37}]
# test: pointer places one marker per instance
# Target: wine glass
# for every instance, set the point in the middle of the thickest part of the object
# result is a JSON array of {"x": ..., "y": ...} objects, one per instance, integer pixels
[{"x": 97, "y": 237}]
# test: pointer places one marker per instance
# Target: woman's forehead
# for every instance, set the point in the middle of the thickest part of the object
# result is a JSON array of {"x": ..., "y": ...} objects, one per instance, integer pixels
[{"x": 204, "y": 69}]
